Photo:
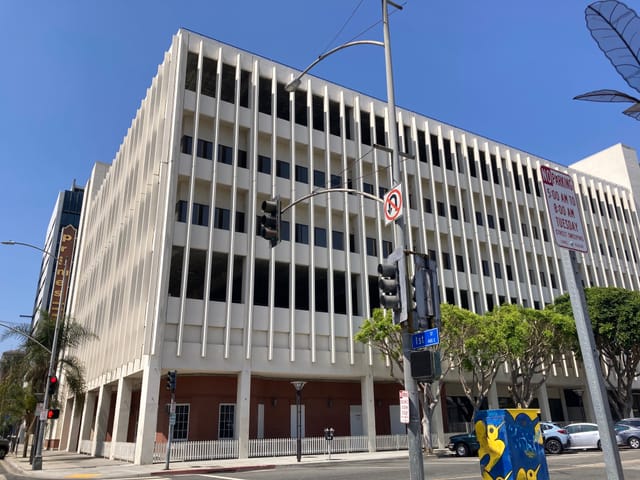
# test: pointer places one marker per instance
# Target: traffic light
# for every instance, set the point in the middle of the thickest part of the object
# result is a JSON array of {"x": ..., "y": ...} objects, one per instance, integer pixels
[
  {"x": 52, "y": 386},
  {"x": 171, "y": 380},
  {"x": 426, "y": 294},
  {"x": 53, "y": 413},
  {"x": 270, "y": 221},
  {"x": 389, "y": 286}
]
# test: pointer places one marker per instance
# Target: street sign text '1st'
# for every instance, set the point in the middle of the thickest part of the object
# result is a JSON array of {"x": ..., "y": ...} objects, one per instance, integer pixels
[{"x": 563, "y": 209}]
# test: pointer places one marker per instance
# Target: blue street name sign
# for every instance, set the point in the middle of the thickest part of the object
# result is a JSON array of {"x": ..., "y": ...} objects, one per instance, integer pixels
[{"x": 424, "y": 339}]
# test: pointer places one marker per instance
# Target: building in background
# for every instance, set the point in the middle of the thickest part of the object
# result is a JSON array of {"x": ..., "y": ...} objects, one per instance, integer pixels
[
  {"x": 171, "y": 274},
  {"x": 59, "y": 242}
]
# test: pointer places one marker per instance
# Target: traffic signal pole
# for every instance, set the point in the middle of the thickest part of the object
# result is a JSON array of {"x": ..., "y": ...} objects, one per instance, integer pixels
[
  {"x": 37, "y": 458},
  {"x": 416, "y": 465}
]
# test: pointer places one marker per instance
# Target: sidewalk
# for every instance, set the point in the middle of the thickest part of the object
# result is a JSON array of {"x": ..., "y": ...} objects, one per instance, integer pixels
[{"x": 60, "y": 465}]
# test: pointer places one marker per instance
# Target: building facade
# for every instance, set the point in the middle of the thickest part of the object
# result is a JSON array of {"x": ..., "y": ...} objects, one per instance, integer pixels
[
  {"x": 59, "y": 243},
  {"x": 171, "y": 274}
]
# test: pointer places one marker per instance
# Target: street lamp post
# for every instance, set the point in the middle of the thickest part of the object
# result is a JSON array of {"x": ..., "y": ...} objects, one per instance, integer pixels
[
  {"x": 416, "y": 466},
  {"x": 37, "y": 459},
  {"x": 298, "y": 385}
]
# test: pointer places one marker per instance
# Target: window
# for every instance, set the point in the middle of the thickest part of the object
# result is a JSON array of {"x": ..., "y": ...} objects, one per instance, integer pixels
[
  {"x": 509, "y": 272},
  {"x": 181, "y": 427},
  {"x": 205, "y": 149},
  {"x": 242, "y": 159},
  {"x": 226, "y": 420},
  {"x": 503, "y": 225},
  {"x": 497, "y": 269},
  {"x": 209, "y": 71},
  {"x": 200, "y": 214},
  {"x": 435, "y": 151},
  {"x": 186, "y": 144},
  {"x": 319, "y": 179},
  {"x": 222, "y": 218},
  {"x": 228, "y": 86},
  {"x": 441, "y": 209},
  {"x": 454, "y": 212},
  {"x": 175, "y": 275},
  {"x": 372, "y": 247},
  {"x": 337, "y": 238},
  {"x": 264, "y": 164},
  {"x": 285, "y": 231},
  {"x": 448, "y": 158},
  {"x": 525, "y": 230},
  {"x": 336, "y": 181},
  {"x": 225, "y": 154},
  {"x": 282, "y": 102},
  {"x": 240, "y": 222},
  {"x": 479, "y": 220},
  {"x": 485, "y": 268},
  {"x": 491, "y": 221},
  {"x": 381, "y": 138},
  {"x": 283, "y": 169},
  {"x": 446, "y": 261},
  {"x": 387, "y": 248},
  {"x": 302, "y": 233},
  {"x": 368, "y": 188},
  {"x": 320, "y": 237},
  {"x": 427, "y": 205},
  {"x": 472, "y": 161},
  {"x": 422, "y": 148},
  {"x": 191, "y": 75},
  {"x": 317, "y": 107},
  {"x": 365, "y": 128},
  {"x": 460, "y": 263},
  {"x": 195, "y": 279},
  {"x": 264, "y": 95},
  {"x": 302, "y": 174}
]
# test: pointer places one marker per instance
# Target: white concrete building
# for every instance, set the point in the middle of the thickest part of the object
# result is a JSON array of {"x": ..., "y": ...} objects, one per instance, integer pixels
[{"x": 170, "y": 272}]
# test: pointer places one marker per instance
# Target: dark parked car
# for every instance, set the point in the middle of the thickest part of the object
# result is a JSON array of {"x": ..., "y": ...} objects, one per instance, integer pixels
[
  {"x": 4, "y": 447},
  {"x": 628, "y": 435},
  {"x": 634, "y": 422},
  {"x": 464, "y": 444},
  {"x": 556, "y": 439}
]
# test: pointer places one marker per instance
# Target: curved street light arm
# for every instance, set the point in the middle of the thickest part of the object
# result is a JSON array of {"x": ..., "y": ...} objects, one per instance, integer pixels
[
  {"x": 13, "y": 242},
  {"x": 330, "y": 190},
  {"x": 293, "y": 84}
]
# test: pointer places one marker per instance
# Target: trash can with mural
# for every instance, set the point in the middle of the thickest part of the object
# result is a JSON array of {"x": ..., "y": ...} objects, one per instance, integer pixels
[{"x": 511, "y": 444}]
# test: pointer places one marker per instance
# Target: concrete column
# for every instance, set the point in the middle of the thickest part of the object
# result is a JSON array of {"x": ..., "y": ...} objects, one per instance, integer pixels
[
  {"x": 368, "y": 410},
  {"x": 88, "y": 414},
  {"x": 587, "y": 405},
  {"x": 75, "y": 412},
  {"x": 65, "y": 423},
  {"x": 543, "y": 401},
  {"x": 122, "y": 413},
  {"x": 102, "y": 418},
  {"x": 243, "y": 411},
  {"x": 437, "y": 425},
  {"x": 148, "y": 416},
  {"x": 492, "y": 397}
]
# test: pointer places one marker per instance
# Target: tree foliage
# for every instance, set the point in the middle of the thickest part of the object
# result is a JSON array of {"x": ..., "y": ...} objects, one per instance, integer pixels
[
  {"x": 615, "y": 320},
  {"x": 476, "y": 348},
  {"x": 534, "y": 341}
]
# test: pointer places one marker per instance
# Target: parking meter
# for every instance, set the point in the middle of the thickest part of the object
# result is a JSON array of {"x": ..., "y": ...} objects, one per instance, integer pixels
[{"x": 328, "y": 436}]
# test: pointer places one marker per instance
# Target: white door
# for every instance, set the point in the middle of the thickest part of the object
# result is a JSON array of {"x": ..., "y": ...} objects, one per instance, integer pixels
[
  {"x": 397, "y": 428},
  {"x": 355, "y": 420},
  {"x": 260, "y": 432},
  {"x": 294, "y": 421}
]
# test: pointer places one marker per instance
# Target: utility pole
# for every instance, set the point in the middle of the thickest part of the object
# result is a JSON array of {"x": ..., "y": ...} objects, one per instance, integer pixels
[{"x": 416, "y": 465}]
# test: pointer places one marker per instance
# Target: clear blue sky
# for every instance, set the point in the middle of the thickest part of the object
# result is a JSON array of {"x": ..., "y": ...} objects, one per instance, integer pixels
[{"x": 74, "y": 72}]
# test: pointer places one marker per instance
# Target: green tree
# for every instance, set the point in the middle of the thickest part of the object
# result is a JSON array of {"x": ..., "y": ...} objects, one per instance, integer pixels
[
  {"x": 535, "y": 340},
  {"x": 34, "y": 365},
  {"x": 382, "y": 334},
  {"x": 615, "y": 320},
  {"x": 476, "y": 347}
]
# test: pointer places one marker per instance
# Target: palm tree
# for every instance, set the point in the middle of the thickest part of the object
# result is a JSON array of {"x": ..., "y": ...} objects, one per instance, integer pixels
[{"x": 33, "y": 368}]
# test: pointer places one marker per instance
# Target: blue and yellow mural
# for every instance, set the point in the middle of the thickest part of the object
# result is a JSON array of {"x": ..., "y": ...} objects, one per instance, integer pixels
[{"x": 511, "y": 444}]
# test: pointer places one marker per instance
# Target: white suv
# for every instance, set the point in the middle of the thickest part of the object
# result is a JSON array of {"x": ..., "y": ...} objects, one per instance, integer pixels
[{"x": 556, "y": 439}]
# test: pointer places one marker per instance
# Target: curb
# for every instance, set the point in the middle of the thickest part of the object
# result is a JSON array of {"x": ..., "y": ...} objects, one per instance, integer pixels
[{"x": 205, "y": 470}]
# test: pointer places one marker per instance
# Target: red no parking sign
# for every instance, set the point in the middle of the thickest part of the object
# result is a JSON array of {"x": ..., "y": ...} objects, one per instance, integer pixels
[{"x": 392, "y": 205}]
